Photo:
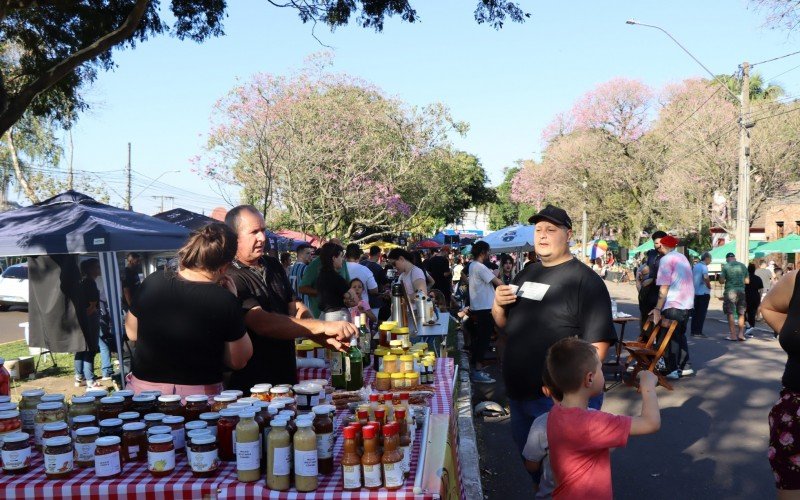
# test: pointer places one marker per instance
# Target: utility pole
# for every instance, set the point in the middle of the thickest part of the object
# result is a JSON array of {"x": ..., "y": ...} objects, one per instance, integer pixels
[
  {"x": 128, "y": 191},
  {"x": 743, "y": 198},
  {"x": 162, "y": 197}
]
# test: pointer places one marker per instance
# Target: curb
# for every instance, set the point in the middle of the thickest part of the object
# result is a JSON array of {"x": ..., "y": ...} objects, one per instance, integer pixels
[{"x": 467, "y": 442}]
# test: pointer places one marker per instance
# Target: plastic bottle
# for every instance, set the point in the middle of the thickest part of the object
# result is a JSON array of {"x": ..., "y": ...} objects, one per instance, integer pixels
[
  {"x": 405, "y": 440},
  {"x": 248, "y": 448},
  {"x": 392, "y": 457},
  {"x": 306, "y": 466},
  {"x": 279, "y": 452},
  {"x": 351, "y": 462},
  {"x": 371, "y": 460}
]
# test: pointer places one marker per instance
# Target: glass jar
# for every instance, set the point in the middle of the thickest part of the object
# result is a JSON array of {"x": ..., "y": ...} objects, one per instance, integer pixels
[
  {"x": 53, "y": 398},
  {"x": 27, "y": 408},
  {"x": 307, "y": 396},
  {"x": 190, "y": 435},
  {"x": 110, "y": 407},
  {"x": 280, "y": 392},
  {"x": 97, "y": 394},
  {"x": 129, "y": 416},
  {"x": 193, "y": 426},
  {"x": 170, "y": 405},
  {"x": 144, "y": 404},
  {"x": 232, "y": 392},
  {"x": 261, "y": 392},
  {"x": 127, "y": 397},
  {"x": 134, "y": 442},
  {"x": 45, "y": 414},
  {"x": 81, "y": 405},
  {"x": 16, "y": 453},
  {"x": 288, "y": 403},
  {"x": 58, "y": 457},
  {"x": 211, "y": 418},
  {"x": 178, "y": 433},
  {"x": 391, "y": 364},
  {"x": 247, "y": 401},
  {"x": 398, "y": 380},
  {"x": 406, "y": 363},
  {"x": 85, "y": 438},
  {"x": 159, "y": 429},
  {"x": 107, "y": 458},
  {"x": 195, "y": 406},
  {"x": 153, "y": 419},
  {"x": 377, "y": 358},
  {"x": 221, "y": 402},
  {"x": 205, "y": 456},
  {"x": 8, "y": 406},
  {"x": 111, "y": 427},
  {"x": 55, "y": 429},
  {"x": 228, "y": 418},
  {"x": 10, "y": 423},
  {"x": 383, "y": 381},
  {"x": 323, "y": 428},
  {"x": 160, "y": 455},
  {"x": 155, "y": 394},
  {"x": 412, "y": 379}
]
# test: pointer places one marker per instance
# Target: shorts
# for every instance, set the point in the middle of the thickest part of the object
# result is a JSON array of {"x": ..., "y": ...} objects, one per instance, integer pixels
[
  {"x": 734, "y": 300},
  {"x": 784, "y": 441}
]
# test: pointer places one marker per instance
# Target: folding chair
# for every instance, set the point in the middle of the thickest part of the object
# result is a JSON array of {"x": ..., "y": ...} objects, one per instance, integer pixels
[{"x": 645, "y": 357}]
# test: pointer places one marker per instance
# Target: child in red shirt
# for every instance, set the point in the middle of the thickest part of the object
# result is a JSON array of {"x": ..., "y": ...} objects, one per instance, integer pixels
[{"x": 580, "y": 439}]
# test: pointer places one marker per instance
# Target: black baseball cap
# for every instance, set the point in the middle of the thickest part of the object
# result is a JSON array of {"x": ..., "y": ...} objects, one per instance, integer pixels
[
  {"x": 552, "y": 214},
  {"x": 729, "y": 255}
]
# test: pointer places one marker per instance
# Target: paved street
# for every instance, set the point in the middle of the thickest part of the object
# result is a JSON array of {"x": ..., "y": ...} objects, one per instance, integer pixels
[
  {"x": 9, "y": 325},
  {"x": 714, "y": 431}
]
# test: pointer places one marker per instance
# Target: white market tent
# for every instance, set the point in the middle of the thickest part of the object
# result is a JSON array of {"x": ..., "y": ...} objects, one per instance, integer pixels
[{"x": 516, "y": 238}]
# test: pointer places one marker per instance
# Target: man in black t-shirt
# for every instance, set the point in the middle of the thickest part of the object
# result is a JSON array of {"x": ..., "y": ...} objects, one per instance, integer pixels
[
  {"x": 273, "y": 315},
  {"x": 558, "y": 297},
  {"x": 130, "y": 279},
  {"x": 438, "y": 267}
]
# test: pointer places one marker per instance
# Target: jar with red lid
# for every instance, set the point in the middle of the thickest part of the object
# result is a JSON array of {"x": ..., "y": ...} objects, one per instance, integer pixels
[
  {"x": 221, "y": 402},
  {"x": 134, "y": 442},
  {"x": 127, "y": 396},
  {"x": 144, "y": 404},
  {"x": 228, "y": 418},
  {"x": 15, "y": 453},
  {"x": 153, "y": 419},
  {"x": 85, "y": 438},
  {"x": 195, "y": 406},
  {"x": 205, "y": 456},
  {"x": 55, "y": 429},
  {"x": 111, "y": 427},
  {"x": 107, "y": 458},
  {"x": 211, "y": 418},
  {"x": 160, "y": 455},
  {"x": 10, "y": 423},
  {"x": 170, "y": 405},
  {"x": 58, "y": 457},
  {"x": 110, "y": 407},
  {"x": 178, "y": 433}
]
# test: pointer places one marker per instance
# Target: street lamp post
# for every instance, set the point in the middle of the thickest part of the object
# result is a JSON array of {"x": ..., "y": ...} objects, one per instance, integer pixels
[{"x": 743, "y": 198}]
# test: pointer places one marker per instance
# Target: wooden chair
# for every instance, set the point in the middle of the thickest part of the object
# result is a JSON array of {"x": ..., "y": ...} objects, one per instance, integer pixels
[{"x": 645, "y": 356}]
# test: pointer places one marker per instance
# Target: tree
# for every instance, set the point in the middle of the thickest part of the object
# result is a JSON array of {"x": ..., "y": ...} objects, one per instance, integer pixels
[
  {"x": 781, "y": 14},
  {"x": 758, "y": 91},
  {"x": 27, "y": 148},
  {"x": 62, "y": 45}
]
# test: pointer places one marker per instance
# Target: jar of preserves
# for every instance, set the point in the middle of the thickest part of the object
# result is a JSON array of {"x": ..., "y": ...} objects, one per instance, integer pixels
[
  {"x": 54, "y": 429},
  {"x": 211, "y": 418},
  {"x": 398, "y": 380},
  {"x": 406, "y": 363},
  {"x": 160, "y": 455},
  {"x": 191, "y": 435},
  {"x": 111, "y": 427},
  {"x": 10, "y": 423},
  {"x": 323, "y": 428},
  {"x": 385, "y": 333},
  {"x": 127, "y": 397},
  {"x": 228, "y": 418},
  {"x": 232, "y": 392},
  {"x": 107, "y": 457},
  {"x": 412, "y": 379},
  {"x": 205, "y": 458},
  {"x": 383, "y": 381},
  {"x": 153, "y": 419},
  {"x": 261, "y": 392},
  {"x": 307, "y": 396},
  {"x": 58, "y": 457},
  {"x": 221, "y": 402},
  {"x": 53, "y": 398},
  {"x": 129, "y": 416},
  {"x": 195, "y": 406},
  {"x": 159, "y": 429},
  {"x": 45, "y": 414},
  {"x": 391, "y": 364},
  {"x": 144, "y": 404},
  {"x": 154, "y": 393},
  {"x": 134, "y": 442},
  {"x": 85, "y": 438},
  {"x": 170, "y": 405},
  {"x": 97, "y": 394},
  {"x": 16, "y": 453},
  {"x": 81, "y": 405},
  {"x": 280, "y": 392},
  {"x": 110, "y": 407},
  {"x": 178, "y": 433}
]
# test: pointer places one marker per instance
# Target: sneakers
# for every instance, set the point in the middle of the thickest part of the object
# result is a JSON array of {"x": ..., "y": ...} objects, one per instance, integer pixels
[
  {"x": 686, "y": 372},
  {"x": 480, "y": 377},
  {"x": 673, "y": 375},
  {"x": 94, "y": 384},
  {"x": 80, "y": 382},
  {"x": 749, "y": 332},
  {"x": 106, "y": 377}
]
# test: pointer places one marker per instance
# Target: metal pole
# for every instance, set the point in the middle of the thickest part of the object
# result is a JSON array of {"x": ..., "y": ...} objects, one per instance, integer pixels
[{"x": 743, "y": 198}]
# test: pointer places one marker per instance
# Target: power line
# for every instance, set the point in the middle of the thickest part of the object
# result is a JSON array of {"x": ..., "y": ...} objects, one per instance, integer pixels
[
  {"x": 781, "y": 74},
  {"x": 775, "y": 58}
]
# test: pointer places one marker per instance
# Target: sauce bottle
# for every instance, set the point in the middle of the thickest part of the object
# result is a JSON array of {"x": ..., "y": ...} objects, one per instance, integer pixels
[
  {"x": 354, "y": 367},
  {"x": 306, "y": 467},
  {"x": 323, "y": 428},
  {"x": 371, "y": 460},
  {"x": 337, "y": 369},
  {"x": 405, "y": 440},
  {"x": 279, "y": 451},
  {"x": 351, "y": 462},
  {"x": 248, "y": 448},
  {"x": 392, "y": 458}
]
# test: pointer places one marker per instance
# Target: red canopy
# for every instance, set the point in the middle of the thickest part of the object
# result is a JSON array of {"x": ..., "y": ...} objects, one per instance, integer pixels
[
  {"x": 314, "y": 241},
  {"x": 428, "y": 243}
]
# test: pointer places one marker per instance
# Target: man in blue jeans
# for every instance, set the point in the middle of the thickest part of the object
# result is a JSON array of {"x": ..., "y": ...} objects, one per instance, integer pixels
[{"x": 554, "y": 298}]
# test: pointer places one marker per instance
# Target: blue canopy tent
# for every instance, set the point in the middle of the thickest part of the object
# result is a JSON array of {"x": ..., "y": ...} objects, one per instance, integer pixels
[
  {"x": 185, "y": 218},
  {"x": 72, "y": 223}
]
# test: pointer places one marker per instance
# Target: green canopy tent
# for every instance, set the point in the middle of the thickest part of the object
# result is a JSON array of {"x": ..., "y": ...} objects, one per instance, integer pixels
[
  {"x": 718, "y": 254},
  {"x": 788, "y": 244},
  {"x": 647, "y": 245}
]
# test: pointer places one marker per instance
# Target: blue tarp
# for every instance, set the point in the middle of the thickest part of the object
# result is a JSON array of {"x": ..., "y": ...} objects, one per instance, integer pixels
[{"x": 73, "y": 223}]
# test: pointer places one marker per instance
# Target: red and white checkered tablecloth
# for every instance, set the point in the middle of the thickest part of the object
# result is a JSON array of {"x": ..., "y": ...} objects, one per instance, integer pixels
[{"x": 136, "y": 482}]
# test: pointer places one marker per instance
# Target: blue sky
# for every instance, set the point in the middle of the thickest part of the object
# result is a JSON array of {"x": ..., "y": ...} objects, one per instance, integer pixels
[{"x": 507, "y": 84}]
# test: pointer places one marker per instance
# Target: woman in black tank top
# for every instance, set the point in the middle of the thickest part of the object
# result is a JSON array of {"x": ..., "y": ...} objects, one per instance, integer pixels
[{"x": 781, "y": 311}]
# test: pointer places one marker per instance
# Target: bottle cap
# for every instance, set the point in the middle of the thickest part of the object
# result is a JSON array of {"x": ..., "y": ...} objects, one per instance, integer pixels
[
  {"x": 159, "y": 438},
  {"x": 129, "y": 415},
  {"x": 399, "y": 412},
  {"x": 196, "y": 424},
  {"x": 33, "y": 393},
  {"x": 111, "y": 422},
  {"x": 349, "y": 433},
  {"x": 247, "y": 414},
  {"x": 303, "y": 422},
  {"x": 169, "y": 398},
  {"x": 124, "y": 393},
  {"x": 373, "y": 397},
  {"x": 173, "y": 419},
  {"x": 87, "y": 431},
  {"x": 113, "y": 400},
  {"x": 154, "y": 417},
  {"x": 197, "y": 398},
  {"x": 53, "y": 426},
  {"x": 133, "y": 426},
  {"x": 209, "y": 415},
  {"x": 160, "y": 429},
  {"x": 107, "y": 441},
  {"x": 9, "y": 414},
  {"x": 369, "y": 431},
  {"x": 82, "y": 419},
  {"x": 205, "y": 439},
  {"x": 16, "y": 437},
  {"x": 142, "y": 398},
  {"x": 79, "y": 400},
  {"x": 278, "y": 422},
  {"x": 57, "y": 441},
  {"x": 390, "y": 429}
]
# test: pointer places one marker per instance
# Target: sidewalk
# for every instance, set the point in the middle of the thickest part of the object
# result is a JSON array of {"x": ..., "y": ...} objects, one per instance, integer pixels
[{"x": 714, "y": 433}]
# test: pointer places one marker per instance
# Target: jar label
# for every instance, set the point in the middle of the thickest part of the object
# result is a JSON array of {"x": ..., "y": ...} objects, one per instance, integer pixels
[
  {"x": 58, "y": 464},
  {"x": 133, "y": 451},
  {"x": 248, "y": 456},
  {"x": 281, "y": 460},
  {"x": 16, "y": 459},
  {"x": 84, "y": 452},
  {"x": 372, "y": 476},
  {"x": 324, "y": 445},
  {"x": 406, "y": 463},
  {"x": 393, "y": 474},
  {"x": 204, "y": 461},
  {"x": 305, "y": 463},
  {"x": 179, "y": 437},
  {"x": 28, "y": 418},
  {"x": 107, "y": 465},
  {"x": 314, "y": 399},
  {"x": 160, "y": 461},
  {"x": 352, "y": 476}
]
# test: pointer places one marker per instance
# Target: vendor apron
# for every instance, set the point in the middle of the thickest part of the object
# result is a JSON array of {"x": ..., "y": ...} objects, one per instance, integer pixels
[{"x": 138, "y": 386}]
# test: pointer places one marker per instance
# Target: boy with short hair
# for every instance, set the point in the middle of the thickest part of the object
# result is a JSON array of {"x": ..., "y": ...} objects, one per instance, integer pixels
[
  {"x": 580, "y": 439},
  {"x": 536, "y": 451}
]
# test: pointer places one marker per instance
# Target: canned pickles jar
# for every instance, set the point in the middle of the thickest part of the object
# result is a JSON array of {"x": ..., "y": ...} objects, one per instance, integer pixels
[{"x": 27, "y": 408}]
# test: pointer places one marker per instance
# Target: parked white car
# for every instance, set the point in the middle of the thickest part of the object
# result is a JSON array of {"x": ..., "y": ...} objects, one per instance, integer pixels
[{"x": 14, "y": 286}]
